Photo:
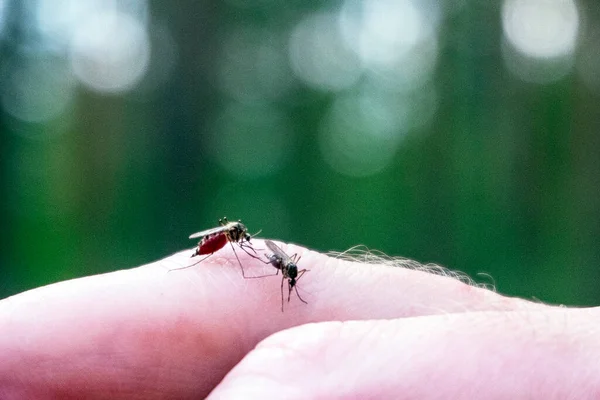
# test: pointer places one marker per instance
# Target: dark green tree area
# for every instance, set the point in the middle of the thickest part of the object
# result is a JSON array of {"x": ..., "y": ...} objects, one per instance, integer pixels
[{"x": 462, "y": 133}]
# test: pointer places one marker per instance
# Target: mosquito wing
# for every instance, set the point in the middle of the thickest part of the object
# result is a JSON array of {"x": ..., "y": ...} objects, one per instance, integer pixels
[
  {"x": 278, "y": 252},
  {"x": 207, "y": 232}
]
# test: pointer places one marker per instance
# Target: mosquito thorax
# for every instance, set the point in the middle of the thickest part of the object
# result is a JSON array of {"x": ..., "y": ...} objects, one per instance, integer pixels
[{"x": 292, "y": 271}]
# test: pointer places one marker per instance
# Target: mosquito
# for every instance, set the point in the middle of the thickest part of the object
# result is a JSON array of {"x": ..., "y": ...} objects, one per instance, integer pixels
[
  {"x": 212, "y": 240},
  {"x": 289, "y": 269}
]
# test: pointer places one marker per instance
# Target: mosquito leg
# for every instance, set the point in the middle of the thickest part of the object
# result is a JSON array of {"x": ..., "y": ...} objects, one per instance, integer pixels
[
  {"x": 238, "y": 260},
  {"x": 250, "y": 254},
  {"x": 248, "y": 245},
  {"x": 282, "y": 279},
  {"x": 259, "y": 259},
  {"x": 296, "y": 287},
  {"x": 189, "y": 266},
  {"x": 300, "y": 273},
  {"x": 262, "y": 276},
  {"x": 243, "y": 247},
  {"x": 298, "y": 294}
]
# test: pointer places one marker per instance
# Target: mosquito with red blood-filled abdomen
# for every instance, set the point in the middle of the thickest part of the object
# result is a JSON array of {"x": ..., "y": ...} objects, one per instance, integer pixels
[
  {"x": 288, "y": 267},
  {"x": 212, "y": 240}
]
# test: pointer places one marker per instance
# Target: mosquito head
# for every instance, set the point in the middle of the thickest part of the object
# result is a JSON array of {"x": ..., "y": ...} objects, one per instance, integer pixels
[
  {"x": 292, "y": 282},
  {"x": 238, "y": 231}
]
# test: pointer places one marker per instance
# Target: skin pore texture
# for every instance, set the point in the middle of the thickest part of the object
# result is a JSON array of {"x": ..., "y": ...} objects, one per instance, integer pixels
[{"x": 378, "y": 329}]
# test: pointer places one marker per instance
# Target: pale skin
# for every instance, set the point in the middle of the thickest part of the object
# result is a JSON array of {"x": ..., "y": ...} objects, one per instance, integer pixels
[{"x": 368, "y": 331}]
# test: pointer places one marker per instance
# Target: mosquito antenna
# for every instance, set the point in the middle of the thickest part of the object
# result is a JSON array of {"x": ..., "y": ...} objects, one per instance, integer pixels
[
  {"x": 256, "y": 233},
  {"x": 189, "y": 266}
]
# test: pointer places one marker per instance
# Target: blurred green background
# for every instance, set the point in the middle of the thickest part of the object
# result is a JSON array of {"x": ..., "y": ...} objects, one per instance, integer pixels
[{"x": 459, "y": 132}]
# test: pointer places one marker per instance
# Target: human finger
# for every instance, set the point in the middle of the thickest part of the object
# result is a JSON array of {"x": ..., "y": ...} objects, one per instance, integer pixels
[
  {"x": 547, "y": 353},
  {"x": 155, "y": 331}
]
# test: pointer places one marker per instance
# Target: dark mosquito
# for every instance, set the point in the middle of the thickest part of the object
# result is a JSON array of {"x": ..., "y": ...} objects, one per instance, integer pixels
[
  {"x": 288, "y": 267},
  {"x": 215, "y": 239}
]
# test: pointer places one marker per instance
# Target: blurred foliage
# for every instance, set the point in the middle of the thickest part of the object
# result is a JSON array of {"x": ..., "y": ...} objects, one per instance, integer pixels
[{"x": 451, "y": 132}]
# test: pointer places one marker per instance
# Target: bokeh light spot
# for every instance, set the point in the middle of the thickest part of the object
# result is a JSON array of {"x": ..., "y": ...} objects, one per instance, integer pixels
[
  {"x": 394, "y": 40},
  {"x": 540, "y": 37},
  {"x": 380, "y": 31},
  {"x": 319, "y": 56},
  {"x": 57, "y": 20},
  {"x": 2, "y": 16},
  {"x": 39, "y": 90},
  {"x": 541, "y": 28},
  {"x": 251, "y": 141},
  {"x": 410, "y": 73},
  {"x": 110, "y": 52},
  {"x": 361, "y": 133}
]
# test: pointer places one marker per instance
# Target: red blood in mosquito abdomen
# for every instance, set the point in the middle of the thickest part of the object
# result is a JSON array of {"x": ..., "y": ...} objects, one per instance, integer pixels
[{"x": 210, "y": 244}]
